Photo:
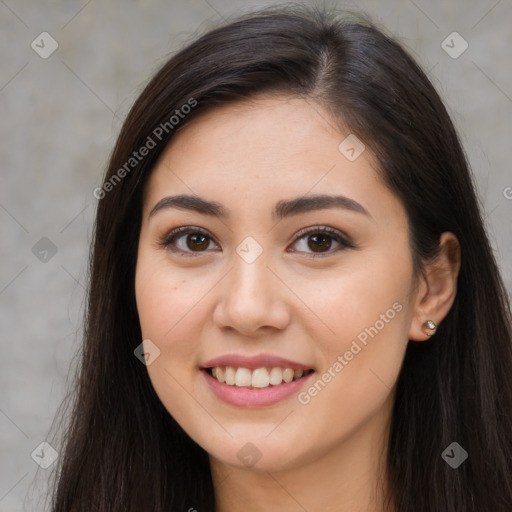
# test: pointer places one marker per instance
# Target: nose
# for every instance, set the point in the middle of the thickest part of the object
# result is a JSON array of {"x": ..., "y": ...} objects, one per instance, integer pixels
[{"x": 252, "y": 299}]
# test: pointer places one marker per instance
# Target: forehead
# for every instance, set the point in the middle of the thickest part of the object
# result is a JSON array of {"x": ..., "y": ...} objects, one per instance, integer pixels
[
  {"x": 265, "y": 149},
  {"x": 276, "y": 130}
]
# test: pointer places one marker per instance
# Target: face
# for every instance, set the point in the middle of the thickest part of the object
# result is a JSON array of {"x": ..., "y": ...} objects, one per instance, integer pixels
[{"x": 268, "y": 284}]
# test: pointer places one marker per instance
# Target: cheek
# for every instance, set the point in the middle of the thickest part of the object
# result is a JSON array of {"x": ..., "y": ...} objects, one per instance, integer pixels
[
  {"x": 168, "y": 314},
  {"x": 161, "y": 295},
  {"x": 368, "y": 312},
  {"x": 361, "y": 300},
  {"x": 162, "y": 307}
]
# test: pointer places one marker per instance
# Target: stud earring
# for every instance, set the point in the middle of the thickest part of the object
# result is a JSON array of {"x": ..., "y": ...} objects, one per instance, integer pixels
[{"x": 429, "y": 327}]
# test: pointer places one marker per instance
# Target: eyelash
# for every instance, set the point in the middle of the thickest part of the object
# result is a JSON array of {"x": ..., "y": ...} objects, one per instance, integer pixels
[{"x": 169, "y": 239}]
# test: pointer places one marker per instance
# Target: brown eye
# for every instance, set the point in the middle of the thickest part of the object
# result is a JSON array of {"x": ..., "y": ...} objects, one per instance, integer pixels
[
  {"x": 187, "y": 240},
  {"x": 319, "y": 241},
  {"x": 196, "y": 241}
]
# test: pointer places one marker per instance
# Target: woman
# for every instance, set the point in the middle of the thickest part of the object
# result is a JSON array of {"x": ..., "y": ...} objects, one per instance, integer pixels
[{"x": 293, "y": 302}]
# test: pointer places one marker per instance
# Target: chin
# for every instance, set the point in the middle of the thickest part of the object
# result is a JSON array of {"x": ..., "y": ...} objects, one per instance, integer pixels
[{"x": 256, "y": 454}]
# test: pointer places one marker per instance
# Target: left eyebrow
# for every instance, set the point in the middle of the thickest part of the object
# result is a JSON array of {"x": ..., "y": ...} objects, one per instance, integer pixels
[{"x": 282, "y": 209}]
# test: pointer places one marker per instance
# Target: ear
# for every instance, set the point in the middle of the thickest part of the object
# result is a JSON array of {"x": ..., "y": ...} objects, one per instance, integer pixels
[{"x": 437, "y": 287}]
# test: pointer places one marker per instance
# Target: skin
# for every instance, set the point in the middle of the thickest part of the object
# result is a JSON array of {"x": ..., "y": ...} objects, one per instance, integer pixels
[{"x": 328, "y": 454}]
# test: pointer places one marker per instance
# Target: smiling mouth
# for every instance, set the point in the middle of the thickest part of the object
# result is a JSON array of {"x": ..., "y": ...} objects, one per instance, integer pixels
[{"x": 257, "y": 378}]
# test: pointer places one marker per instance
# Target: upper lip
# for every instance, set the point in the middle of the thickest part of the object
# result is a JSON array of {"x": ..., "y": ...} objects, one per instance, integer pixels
[{"x": 252, "y": 362}]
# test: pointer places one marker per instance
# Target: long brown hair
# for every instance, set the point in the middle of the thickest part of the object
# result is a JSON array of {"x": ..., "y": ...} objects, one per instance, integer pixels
[{"x": 123, "y": 451}]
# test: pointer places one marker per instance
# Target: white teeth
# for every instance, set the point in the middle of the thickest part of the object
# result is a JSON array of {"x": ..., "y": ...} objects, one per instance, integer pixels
[
  {"x": 229, "y": 375},
  {"x": 243, "y": 377},
  {"x": 257, "y": 378},
  {"x": 288, "y": 375},
  {"x": 260, "y": 378},
  {"x": 276, "y": 376}
]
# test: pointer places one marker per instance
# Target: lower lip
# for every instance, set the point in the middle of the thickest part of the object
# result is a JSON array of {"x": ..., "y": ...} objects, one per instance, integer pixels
[{"x": 246, "y": 397}]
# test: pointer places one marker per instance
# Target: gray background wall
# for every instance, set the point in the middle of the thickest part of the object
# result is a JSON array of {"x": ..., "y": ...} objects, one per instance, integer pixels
[{"x": 59, "y": 119}]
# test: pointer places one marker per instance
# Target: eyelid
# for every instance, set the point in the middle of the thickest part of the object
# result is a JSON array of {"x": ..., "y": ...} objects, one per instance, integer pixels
[
  {"x": 341, "y": 238},
  {"x": 323, "y": 229}
]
